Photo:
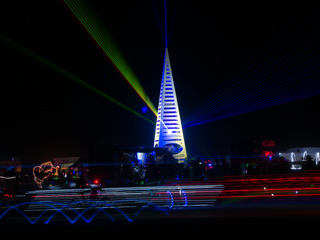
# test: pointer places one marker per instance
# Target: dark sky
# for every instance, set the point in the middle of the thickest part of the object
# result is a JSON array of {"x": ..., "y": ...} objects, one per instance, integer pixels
[{"x": 45, "y": 115}]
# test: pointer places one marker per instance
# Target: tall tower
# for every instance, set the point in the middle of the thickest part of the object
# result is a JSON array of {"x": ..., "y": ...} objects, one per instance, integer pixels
[{"x": 169, "y": 132}]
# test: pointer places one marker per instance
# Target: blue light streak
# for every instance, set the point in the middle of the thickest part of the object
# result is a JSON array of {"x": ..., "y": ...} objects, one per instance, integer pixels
[
  {"x": 64, "y": 208},
  {"x": 185, "y": 198},
  {"x": 171, "y": 198},
  {"x": 160, "y": 199},
  {"x": 291, "y": 86},
  {"x": 164, "y": 32},
  {"x": 290, "y": 66},
  {"x": 240, "y": 77},
  {"x": 165, "y": 22},
  {"x": 158, "y": 19}
]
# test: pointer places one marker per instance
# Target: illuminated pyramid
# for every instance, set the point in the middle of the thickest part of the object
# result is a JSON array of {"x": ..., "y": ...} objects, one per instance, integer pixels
[{"x": 169, "y": 132}]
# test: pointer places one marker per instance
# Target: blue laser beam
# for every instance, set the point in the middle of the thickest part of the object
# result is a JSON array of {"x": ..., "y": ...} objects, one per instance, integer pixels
[
  {"x": 254, "y": 105},
  {"x": 266, "y": 87},
  {"x": 226, "y": 87},
  {"x": 293, "y": 94},
  {"x": 301, "y": 78},
  {"x": 255, "y": 80},
  {"x": 165, "y": 22},
  {"x": 265, "y": 76},
  {"x": 158, "y": 20}
]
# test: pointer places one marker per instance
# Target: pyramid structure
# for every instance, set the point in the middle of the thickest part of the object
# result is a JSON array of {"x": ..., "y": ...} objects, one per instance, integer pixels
[{"x": 169, "y": 133}]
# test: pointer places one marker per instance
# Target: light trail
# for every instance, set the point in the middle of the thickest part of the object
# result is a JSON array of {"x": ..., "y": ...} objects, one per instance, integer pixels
[
  {"x": 66, "y": 74},
  {"x": 252, "y": 87},
  {"x": 232, "y": 80},
  {"x": 158, "y": 19},
  {"x": 103, "y": 39},
  {"x": 274, "y": 73},
  {"x": 251, "y": 70},
  {"x": 167, "y": 197},
  {"x": 212, "y": 198},
  {"x": 275, "y": 187}
]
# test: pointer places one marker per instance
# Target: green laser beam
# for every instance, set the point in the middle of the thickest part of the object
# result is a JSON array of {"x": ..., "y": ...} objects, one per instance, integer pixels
[
  {"x": 9, "y": 42},
  {"x": 102, "y": 37}
]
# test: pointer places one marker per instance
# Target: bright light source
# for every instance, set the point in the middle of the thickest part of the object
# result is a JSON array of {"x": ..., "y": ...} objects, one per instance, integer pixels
[
  {"x": 144, "y": 109},
  {"x": 292, "y": 157},
  {"x": 296, "y": 167},
  {"x": 68, "y": 75},
  {"x": 97, "y": 30}
]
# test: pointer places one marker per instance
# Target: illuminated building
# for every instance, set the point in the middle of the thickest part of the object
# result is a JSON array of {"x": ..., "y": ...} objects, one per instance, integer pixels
[
  {"x": 169, "y": 133},
  {"x": 302, "y": 154}
]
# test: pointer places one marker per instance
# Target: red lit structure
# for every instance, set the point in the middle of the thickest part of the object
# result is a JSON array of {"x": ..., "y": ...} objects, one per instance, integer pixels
[{"x": 254, "y": 157}]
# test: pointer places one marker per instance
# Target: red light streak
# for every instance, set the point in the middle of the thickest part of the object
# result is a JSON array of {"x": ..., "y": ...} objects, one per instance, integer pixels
[
  {"x": 278, "y": 186},
  {"x": 59, "y": 196},
  {"x": 272, "y": 187}
]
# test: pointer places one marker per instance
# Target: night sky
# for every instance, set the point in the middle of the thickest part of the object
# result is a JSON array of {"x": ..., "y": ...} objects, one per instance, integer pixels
[{"x": 45, "y": 115}]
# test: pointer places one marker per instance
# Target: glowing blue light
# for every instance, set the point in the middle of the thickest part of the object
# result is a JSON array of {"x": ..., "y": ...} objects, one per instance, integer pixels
[
  {"x": 144, "y": 109},
  {"x": 185, "y": 198},
  {"x": 60, "y": 208},
  {"x": 171, "y": 203}
]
